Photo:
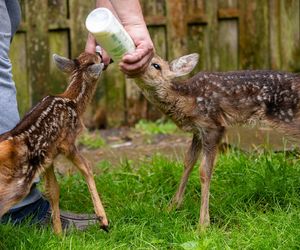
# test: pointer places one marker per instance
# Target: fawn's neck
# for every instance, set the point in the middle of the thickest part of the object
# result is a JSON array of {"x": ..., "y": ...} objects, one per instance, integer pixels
[
  {"x": 178, "y": 107},
  {"x": 80, "y": 91}
]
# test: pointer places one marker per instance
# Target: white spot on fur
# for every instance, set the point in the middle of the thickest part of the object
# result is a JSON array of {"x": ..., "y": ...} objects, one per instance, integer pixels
[
  {"x": 200, "y": 99},
  {"x": 290, "y": 112}
]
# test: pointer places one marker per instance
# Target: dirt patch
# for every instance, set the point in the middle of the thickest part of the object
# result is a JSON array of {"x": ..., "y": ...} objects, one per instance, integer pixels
[{"x": 129, "y": 144}]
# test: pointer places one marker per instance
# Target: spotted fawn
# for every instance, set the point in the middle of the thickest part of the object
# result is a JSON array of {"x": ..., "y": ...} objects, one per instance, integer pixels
[
  {"x": 210, "y": 102},
  {"x": 50, "y": 129}
]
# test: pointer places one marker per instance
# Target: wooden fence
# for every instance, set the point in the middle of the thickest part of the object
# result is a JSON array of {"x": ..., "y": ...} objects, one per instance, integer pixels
[{"x": 228, "y": 35}]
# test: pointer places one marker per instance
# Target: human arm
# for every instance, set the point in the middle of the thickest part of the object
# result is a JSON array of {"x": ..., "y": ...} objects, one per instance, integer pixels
[{"x": 131, "y": 17}]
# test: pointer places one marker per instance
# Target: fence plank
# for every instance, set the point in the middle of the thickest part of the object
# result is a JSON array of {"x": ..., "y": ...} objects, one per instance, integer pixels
[
  {"x": 57, "y": 13},
  {"x": 20, "y": 72},
  {"x": 275, "y": 47},
  {"x": 177, "y": 28},
  {"x": 37, "y": 49},
  {"x": 78, "y": 33},
  {"x": 290, "y": 32},
  {"x": 212, "y": 29},
  {"x": 197, "y": 40},
  {"x": 159, "y": 38},
  {"x": 254, "y": 34},
  {"x": 228, "y": 34},
  {"x": 115, "y": 95},
  {"x": 136, "y": 105},
  {"x": 58, "y": 44}
]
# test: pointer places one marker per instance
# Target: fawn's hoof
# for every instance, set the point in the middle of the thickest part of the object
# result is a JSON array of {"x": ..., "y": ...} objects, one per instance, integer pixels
[
  {"x": 105, "y": 228},
  {"x": 174, "y": 205},
  {"x": 203, "y": 224},
  {"x": 103, "y": 224}
]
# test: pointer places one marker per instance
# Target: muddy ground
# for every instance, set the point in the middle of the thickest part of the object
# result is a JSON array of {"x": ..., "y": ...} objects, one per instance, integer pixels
[{"x": 129, "y": 144}]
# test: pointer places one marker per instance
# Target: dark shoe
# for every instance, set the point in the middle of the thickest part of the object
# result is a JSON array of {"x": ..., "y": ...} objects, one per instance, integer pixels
[
  {"x": 72, "y": 220},
  {"x": 33, "y": 213},
  {"x": 39, "y": 213}
]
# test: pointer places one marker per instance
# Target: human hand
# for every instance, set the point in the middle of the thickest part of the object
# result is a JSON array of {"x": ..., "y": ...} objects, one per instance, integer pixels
[
  {"x": 135, "y": 63},
  {"x": 90, "y": 47}
]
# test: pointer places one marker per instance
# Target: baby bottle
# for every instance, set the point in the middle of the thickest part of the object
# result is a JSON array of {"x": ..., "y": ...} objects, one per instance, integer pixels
[{"x": 109, "y": 33}]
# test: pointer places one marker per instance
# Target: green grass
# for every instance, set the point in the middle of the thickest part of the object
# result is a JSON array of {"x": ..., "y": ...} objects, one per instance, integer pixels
[
  {"x": 157, "y": 127},
  {"x": 91, "y": 141},
  {"x": 254, "y": 204}
]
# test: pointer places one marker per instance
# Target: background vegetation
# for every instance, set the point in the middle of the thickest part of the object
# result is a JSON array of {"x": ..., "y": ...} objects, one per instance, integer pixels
[
  {"x": 228, "y": 35},
  {"x": 254, "y": 204}
]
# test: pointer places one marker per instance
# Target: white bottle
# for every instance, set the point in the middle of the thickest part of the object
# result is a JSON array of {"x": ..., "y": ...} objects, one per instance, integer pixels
[{"x": 109, "y": 33}]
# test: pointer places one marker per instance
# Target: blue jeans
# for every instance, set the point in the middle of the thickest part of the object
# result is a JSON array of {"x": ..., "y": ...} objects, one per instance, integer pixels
[
  {"x": 34, "y": 212},
  {"x": 9, "y": 115}
]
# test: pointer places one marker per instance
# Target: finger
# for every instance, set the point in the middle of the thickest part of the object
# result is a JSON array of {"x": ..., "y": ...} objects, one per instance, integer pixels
[
  {"x": 90, "y": 46},
  {"x": 140, "y": 53},
  {"x": 106, "y": 58},
  {"x": 134, "y": 73},
  {"x": 135, "y": 69}
]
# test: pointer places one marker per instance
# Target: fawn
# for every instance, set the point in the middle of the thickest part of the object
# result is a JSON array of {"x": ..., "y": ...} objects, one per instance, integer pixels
[
  {"x": 209, "y": 102},
  {"x": 49, "y": 129}
]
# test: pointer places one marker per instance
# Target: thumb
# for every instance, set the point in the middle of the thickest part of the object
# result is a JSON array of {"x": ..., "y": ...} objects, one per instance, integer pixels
[{"x": 90, "y": 45}]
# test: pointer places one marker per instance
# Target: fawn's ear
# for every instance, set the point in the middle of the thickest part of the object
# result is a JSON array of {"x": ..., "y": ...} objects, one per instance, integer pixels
[
  {"x": 95, "y": 70},
  {"x": 184, "y": 65},
  {"x": 64, "y": 64}
]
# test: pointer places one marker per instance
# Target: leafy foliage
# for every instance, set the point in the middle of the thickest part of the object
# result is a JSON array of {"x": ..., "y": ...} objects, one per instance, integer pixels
[
  {"x": 157, "y": 127},
  {"x": 254, "y": 204}
]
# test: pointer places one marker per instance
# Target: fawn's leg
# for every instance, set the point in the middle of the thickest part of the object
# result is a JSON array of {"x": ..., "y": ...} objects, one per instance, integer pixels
[
  {"x": 81, "y": 163},
  {"x": 52, "y": 192},
  {"x": 191, "y": 157},
  {"x": 211, "y": 139}
]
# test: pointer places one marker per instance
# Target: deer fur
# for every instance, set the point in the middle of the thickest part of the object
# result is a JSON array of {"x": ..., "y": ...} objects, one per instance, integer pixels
[
  {"x": 209, "y": 102},
  {"x": 50, "y": 129}
]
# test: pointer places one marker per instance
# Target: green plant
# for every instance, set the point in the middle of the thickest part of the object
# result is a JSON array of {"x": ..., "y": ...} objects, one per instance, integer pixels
[
  {"x": 255, "y": 204},
  {"x": 157, "y": 127},
  {"x": 91, "y": 140}
]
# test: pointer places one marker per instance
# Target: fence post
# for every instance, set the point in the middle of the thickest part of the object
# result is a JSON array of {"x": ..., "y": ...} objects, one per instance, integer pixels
[
  {"x": 38, "y": 48},
  {"x": 177, "y": 28}
]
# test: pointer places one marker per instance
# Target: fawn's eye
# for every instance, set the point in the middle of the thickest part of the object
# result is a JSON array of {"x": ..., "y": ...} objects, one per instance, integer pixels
[{"x": 156, "y": 66}]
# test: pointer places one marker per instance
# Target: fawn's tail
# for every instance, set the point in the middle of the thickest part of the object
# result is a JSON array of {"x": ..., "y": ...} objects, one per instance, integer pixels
[
  {"x": 6, "y": 166},
  {"x": 6, "y": 153}
]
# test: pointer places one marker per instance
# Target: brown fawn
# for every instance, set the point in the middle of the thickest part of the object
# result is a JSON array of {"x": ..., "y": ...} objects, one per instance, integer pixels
[
  {"x": 209, "y": 102},
  {"x": 50, "y": 129}
]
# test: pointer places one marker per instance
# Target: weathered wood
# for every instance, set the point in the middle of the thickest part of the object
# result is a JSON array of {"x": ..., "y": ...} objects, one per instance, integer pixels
[
  {"x": 254, "y": 34},
  {"x": 38, "y": 48},
  {"x": 78, "y": 11},
  {"x": 136, "y": 105},
  {"x": 58, "y": 44},
  {"x": 290, "y": 32},
  {"x": 177, "y": 28},
  {"x": 57, "y": 13},
  {"x": 159, "y": 38},
  {"x": 228, "y": 34},
  {"x": 284, "y": 33},
  {"x": 155, "y": 20},
  {"x": 275, "y": 47},
  {"x": 228, "y": 13},
  {"x": 20, "y": 72},
  {"x": 199, "y": 18},
  {"x": 197, "y": 40},
  {"x": 212, "y": 29},
  {"x": 114, "y": 81}
]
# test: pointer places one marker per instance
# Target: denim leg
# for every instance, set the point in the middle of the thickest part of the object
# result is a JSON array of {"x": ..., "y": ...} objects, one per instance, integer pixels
[
  {"x": 9, "y": 115},
  {"x": 33, "y": 213}
]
